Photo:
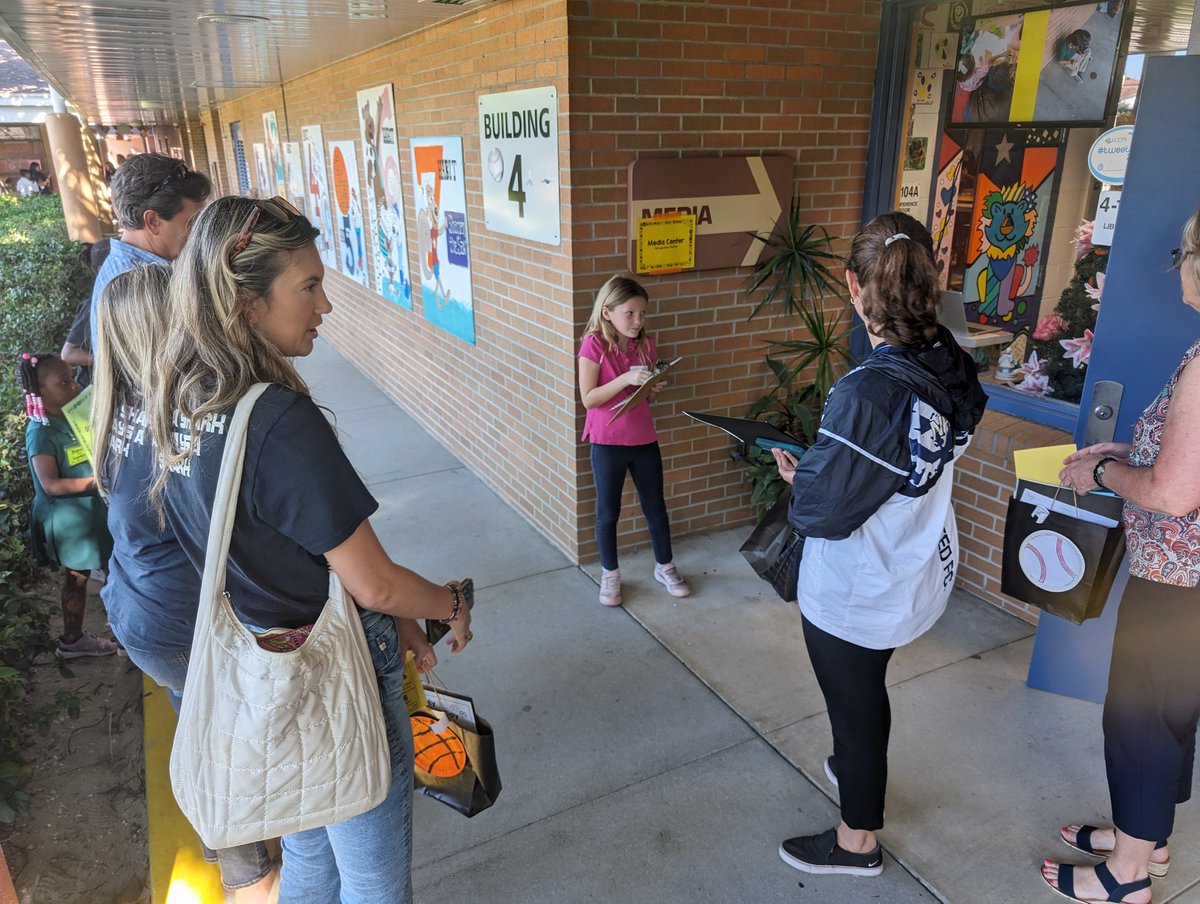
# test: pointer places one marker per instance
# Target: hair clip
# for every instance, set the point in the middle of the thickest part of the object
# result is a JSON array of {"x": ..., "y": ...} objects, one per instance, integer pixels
[{"x": 891, "y": 238}]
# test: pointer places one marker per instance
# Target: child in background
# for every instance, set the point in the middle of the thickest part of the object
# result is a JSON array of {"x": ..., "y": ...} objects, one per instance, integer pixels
[
  {"x": 615, "y": 357},
  {"x": 69, "y": 519}
]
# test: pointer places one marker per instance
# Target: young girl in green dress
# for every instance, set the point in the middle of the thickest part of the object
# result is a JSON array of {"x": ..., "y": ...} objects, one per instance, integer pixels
[{"x": 69, "y": 519}]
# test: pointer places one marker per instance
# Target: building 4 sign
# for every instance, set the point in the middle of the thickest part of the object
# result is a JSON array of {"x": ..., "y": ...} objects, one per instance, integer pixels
[
  {"x": 730, "y": 197},
  {"x": 518, "y": 144}
]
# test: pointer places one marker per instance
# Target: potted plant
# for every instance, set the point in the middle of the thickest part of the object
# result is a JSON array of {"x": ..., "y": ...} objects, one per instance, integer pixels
[{"x": 799, "y": 275}]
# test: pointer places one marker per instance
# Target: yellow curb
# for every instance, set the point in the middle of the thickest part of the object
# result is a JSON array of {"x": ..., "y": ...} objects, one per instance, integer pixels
[{"x": 178, "y": 873}]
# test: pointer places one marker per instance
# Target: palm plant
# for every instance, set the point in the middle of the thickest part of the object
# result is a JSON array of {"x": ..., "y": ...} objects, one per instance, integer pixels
[{"x": 799, "y": 275}]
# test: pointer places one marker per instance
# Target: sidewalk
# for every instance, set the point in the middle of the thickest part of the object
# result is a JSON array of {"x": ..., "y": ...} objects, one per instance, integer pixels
[{"x": 659, "y": 753}]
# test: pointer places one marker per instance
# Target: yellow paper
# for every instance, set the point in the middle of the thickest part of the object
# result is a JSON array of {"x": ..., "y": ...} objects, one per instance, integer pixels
[
  {"x": 78, "y": 413},
  {"x": 411, "y": 688},
  {"x": 1041, "y": 465},
  {"x": 666, "y": 243}
]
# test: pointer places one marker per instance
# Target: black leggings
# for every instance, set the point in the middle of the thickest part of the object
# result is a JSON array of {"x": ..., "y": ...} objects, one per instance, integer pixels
[
  {"x": 609, "y": 466},
  {"x": 1152, "y": 706},
  {"x": 853, "y": 680}
]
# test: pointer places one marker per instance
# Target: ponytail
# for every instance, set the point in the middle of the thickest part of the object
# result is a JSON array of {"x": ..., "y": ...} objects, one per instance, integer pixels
[
  {"x": 35, "y": 409},
  {"x": 892, "y": 256}
]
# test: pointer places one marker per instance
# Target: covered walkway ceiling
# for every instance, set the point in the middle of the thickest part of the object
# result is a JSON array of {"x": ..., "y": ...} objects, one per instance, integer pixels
[{"x": 148, "y": 62}]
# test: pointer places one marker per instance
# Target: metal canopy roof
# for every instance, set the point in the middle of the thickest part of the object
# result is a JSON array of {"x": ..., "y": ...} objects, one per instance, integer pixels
[{"x": 162, "y": 61}]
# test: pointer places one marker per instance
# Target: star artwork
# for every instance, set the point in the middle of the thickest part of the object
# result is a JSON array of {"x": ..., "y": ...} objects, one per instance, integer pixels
[{"x": 1004, "y": 150}]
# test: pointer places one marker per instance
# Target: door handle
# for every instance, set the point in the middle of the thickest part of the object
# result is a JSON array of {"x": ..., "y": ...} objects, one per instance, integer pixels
[{"x": 1101, "y": 422}]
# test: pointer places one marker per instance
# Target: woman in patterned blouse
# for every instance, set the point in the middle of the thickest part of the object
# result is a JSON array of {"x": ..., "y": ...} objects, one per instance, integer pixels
[{"x": 1153, "y": 700}]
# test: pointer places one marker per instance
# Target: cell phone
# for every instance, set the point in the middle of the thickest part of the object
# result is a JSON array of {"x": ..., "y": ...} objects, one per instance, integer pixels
[
  {"x": 436, "y": 630},
  {"x": 769, "y": 444}
]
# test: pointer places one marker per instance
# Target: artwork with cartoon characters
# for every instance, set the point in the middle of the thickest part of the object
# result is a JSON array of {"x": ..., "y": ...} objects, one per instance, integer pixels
[
  {"x": 385, "y": 199},
  {"x": 294, "y": 169},
  {"x": 443, "y": 246},
  {"x": 348, "y": 219},
  {"x": 1014, "y": 195},
  {"x": 945, "y": 206},
  {"x": 274, "y": 155},
  {"x": 316, "y": 193},
  {"x": 262, "y": 171}
]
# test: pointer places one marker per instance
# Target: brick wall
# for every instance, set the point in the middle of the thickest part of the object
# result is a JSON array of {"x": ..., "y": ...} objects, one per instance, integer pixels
[
  {"x": 983, "y": 482},
  {"x": 667, "y": 79},
  {"x": 506, "y": 405},
  {"x": 635, "y": 79}
]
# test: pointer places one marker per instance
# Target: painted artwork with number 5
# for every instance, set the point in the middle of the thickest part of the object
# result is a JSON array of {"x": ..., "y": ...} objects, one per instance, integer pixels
[
  {"x": 518, "y": 146},
  {"x": 443, "y": 245}
]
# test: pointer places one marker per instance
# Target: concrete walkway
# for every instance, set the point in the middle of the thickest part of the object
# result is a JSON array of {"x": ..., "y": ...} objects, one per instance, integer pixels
[{"x": 660, "y": 752}]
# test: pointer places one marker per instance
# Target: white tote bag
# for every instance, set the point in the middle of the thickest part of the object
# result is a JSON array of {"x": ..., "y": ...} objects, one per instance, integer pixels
[{"x": 273, "y": 743}]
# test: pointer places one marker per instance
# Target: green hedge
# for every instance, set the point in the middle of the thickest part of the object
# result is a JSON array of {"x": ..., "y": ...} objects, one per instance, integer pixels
[{"x": 41, "y": 284}]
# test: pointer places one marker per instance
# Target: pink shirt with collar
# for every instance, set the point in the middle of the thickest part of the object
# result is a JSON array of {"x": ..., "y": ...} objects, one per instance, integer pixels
[{"x": 633, "y": 428}]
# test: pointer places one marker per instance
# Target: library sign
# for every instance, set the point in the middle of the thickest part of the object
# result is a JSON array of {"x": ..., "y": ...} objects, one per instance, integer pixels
[
  {"x": 518, "y": 144},
  {"x": 729, "y": 198}
]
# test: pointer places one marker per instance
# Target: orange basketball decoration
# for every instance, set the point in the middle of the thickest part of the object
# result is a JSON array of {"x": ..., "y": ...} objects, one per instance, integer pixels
[{"x": 442, "y": 754}]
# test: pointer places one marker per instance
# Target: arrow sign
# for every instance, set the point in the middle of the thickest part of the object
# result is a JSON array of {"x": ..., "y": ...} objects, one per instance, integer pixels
[{"x": 740, "y": 195}]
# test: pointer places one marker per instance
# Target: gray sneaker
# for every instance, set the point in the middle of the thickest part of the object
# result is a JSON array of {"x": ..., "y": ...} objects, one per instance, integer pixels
[{"x": 86, "y": 645}]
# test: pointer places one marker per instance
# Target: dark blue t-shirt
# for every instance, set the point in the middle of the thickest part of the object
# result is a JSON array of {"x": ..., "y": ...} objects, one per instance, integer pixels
[{"x": 300, "y": 497}]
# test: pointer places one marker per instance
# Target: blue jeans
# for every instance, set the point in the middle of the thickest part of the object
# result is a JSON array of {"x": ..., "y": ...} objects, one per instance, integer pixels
[
  {"x": 245, "y": 864},
  {"x": 366, "y": 859}
]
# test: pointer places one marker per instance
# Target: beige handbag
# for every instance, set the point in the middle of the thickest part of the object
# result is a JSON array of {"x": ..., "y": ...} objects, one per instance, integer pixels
[{"x": 273, "y": 743}]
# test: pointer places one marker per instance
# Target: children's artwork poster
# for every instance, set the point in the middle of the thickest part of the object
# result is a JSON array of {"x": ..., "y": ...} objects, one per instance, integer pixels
[
  {"x": 1047, "y": 66},
  {"x": 443, "y": 245},
  {"x": 347, "y": 211},
  {"x": 927, "y": 84},
  {"x": 518, "y": 146},
  {"x": 941, "y": 52},
  {"x": 916, "y": 149},
  {"x": 274, "y": 154},
  {"x": 316, "y": 193},
  {"x": 945, "y": 203},
  {"x": 262, "y": 170},
  {"x": 1012, "y": 216},
  {"x": 385, "y": 196},
  {"x": 293, "y": 168}
]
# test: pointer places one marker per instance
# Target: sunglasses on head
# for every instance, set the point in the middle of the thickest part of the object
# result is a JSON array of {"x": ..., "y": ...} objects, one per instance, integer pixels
[
  {"x": 1178, "y": 255},
  {"x": 178, "y": 173},
  {"x": 279, "y": 208}
]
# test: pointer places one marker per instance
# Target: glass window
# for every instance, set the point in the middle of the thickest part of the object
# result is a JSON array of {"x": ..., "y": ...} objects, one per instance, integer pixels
[{"x": 1004, "y": 103}]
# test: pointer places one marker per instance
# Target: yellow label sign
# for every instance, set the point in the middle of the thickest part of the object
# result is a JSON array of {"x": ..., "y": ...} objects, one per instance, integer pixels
[
  {"x": 78, "y": 413},
  {"x": 76, "y": 455},
  {"x": 411, "y": 688},
  {"x": 666, "y": 243}
]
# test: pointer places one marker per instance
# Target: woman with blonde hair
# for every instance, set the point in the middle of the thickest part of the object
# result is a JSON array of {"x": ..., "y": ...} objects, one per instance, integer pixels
[
  {"x": 152, "y": 588},
  {"x": 245, "y": 297}
]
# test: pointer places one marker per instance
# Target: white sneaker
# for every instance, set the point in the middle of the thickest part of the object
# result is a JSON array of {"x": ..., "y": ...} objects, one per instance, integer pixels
[
  {"x": 668, "y": 576},
  {"x": 610, "y": 587}
]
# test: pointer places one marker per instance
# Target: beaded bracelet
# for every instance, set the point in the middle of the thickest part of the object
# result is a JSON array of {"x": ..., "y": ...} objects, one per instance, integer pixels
[{"x": 454, "y": 613}]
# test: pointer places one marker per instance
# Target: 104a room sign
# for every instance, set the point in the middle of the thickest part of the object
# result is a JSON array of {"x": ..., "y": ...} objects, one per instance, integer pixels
[{"x": 518, "y": 144}]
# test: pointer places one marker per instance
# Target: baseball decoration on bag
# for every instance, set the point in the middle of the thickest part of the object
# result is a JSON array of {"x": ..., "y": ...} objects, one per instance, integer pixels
[{"x": 1051, "y": 561}]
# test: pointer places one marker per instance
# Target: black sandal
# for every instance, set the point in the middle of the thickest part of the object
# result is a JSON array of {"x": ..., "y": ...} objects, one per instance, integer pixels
[
  {"x": 1083, "y": 844},
  {"x": 1116, "y": 890}
]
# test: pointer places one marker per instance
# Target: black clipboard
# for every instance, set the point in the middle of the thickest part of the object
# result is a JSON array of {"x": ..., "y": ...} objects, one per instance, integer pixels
[
  {"x": 750, "y": 432},
  {"x": 660, "y": 371}
]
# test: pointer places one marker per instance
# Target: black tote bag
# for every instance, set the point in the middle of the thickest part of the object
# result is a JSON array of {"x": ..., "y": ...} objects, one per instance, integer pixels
[
  {"x": 476, "y": 787},
  {"x": 1058, "y": 563},
  {"x": 774, "y": 549}
]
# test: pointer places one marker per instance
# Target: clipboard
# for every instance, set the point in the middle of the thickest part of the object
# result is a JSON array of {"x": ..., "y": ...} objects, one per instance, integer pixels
[
  {"x": 750, "y": 432},
  {"x": 660, "y": 370}
]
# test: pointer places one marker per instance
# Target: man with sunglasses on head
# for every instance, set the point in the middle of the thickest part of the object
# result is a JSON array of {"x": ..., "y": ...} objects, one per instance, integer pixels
[{"x": 155, "y": 198}]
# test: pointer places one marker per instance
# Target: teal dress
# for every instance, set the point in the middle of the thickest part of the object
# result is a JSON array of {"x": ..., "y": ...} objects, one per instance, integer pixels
[{"x": 68, "y": 531}]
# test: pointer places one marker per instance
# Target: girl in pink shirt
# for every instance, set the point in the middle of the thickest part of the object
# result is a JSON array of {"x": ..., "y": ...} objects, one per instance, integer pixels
[{"x": 615, "y": 357}]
